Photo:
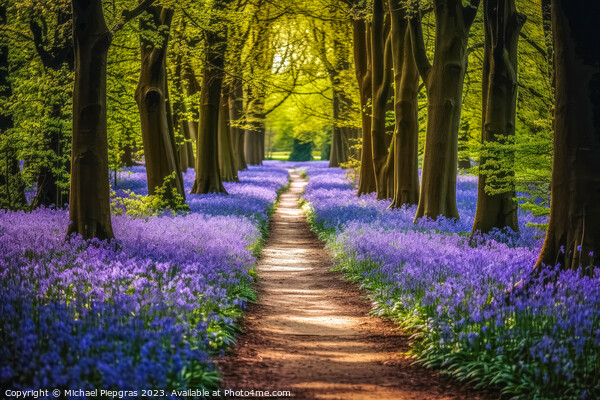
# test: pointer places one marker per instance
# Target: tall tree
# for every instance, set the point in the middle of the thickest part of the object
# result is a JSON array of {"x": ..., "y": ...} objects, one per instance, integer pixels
[
  {"x": 381, "y": 62},
  {"x": 236, "y": 114},
  {"x": 208, "y": 176},
  {"x": 573, "y": 237},
  {"x": 496, "y": 206},
  {"x": 337, "y": 65},
  {"x": 185, "y": 150},
  {"x": 227, "y": 161},
  {"x": 403, "y": 156},
  {"x": 362, "y": 63},
  {"x": 152, "y": 97},
  {"x": 89, "y": 199},
  {"x": 444, "y": 83}
]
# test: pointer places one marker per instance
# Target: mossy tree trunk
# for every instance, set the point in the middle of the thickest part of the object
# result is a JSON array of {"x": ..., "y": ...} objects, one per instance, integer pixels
[
  {"x": 497, "y": 208},
  {"x": 573, "y": 237}
]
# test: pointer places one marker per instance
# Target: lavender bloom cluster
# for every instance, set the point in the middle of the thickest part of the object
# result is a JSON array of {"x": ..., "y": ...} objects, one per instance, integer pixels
[
  {"x": 145, "y": 311},
  {"x": 461, "y": 297}
]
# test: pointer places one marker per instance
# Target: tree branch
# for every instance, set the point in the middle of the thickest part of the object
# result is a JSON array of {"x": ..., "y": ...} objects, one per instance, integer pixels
[
  {"x": 470, "y": 12},
  {"x": 418, "y": 45},
  {"x": 127, "y": 15},
  {"x": 533, "y": 44}
]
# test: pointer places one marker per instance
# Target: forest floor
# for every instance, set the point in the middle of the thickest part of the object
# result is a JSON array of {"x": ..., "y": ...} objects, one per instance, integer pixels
[{"x": 310, "y": 332}]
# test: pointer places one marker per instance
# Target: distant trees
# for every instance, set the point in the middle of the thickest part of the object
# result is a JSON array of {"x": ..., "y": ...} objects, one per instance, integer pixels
[{"x": 214, "y": 75}]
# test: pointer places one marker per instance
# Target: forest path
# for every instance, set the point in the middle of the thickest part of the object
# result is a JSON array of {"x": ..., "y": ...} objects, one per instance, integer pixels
[{"x": 310, "y": 333}]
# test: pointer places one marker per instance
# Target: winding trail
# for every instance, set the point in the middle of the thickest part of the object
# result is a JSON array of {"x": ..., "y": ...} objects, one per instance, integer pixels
[{"x": 310, "y": 333}]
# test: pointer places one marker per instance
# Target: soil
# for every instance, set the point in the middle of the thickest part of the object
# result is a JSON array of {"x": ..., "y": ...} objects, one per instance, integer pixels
[{"x": 310, "y": 332}]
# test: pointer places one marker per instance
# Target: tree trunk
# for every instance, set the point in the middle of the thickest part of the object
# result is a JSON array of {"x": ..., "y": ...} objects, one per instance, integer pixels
[
  {"x": 381, "y": 61},
  {"x": 89, "y": 213},
  {"x": 464, "y": 163},
  {"x": 362, "y": 64},
  {"x": 226, "y": 157},
  {"x": 444, "y": 82},
  {"x": 404, "y": 153},
  {"x": 160, "y": 151},
  {"x": 340, "y": 148},
  {"x": 192, "y": 90},
  {"x": 185, "y": 150},
  {"x": 573, "y": 237},
  {"x": 236, "y": 113},
  {"x": 498, "y": 209},
  {"x": 127, "y": 157},
  {"x": 208, "y": 175},
  {"x": 255, "y": 130}
]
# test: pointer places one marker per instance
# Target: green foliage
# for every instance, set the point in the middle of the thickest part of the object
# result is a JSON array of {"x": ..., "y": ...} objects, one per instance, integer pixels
[
  {"x": 165, "y": 199},
  {"x": 301, "y": 151}
]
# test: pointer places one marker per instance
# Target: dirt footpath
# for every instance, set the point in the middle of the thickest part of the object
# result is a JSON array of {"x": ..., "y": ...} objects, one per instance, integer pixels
[{"x": 310, "y": 333}]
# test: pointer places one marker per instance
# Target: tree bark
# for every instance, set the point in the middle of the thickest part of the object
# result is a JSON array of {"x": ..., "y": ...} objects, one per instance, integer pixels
[
  {"x": 340, "y": 147},
  {"x": 236, "y": 114},
  {"x": 256, "y": 128},
  {"x": 208, "y": 176},
  {"x": 226, "y": 157},
  {"x": 185, "y": 150},
  {"x": 160, "y": 151},
  {"x": 127, "y": 157},
  {"x": 89, "y": 213},
  {"x": 498, "y": 209},
  {"x": 362, "y": 63},
  {"x": 381, "y": 61},
  {"x": 573, "y": 237},
  {"x": 404, "y": 153},
  {"x": 444, "y": 83},
  {"x": 192, "y": 90}
]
